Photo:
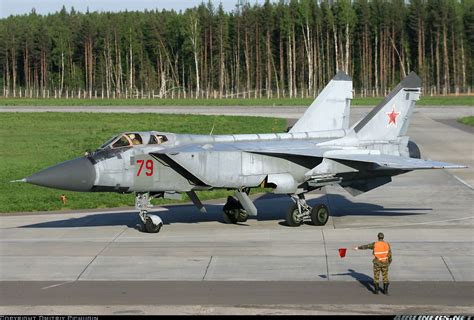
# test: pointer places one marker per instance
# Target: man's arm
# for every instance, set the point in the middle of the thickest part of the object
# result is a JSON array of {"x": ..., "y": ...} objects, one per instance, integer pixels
[{"x": 364, "y": 247}]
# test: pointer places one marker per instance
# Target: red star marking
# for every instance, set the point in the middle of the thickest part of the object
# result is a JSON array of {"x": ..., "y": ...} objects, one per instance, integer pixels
[{"x": 392, "y": 116}]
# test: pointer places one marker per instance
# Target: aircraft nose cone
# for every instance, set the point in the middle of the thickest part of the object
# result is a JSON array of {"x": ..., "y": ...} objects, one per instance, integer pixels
[{"x": 75, "y": 175}]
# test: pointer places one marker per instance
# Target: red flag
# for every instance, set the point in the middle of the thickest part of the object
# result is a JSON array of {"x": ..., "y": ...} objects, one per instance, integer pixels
[{"x": 342, "y": 252}]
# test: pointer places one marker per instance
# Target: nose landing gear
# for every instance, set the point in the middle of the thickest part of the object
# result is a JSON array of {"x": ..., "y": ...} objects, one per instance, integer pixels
[{"x": 151, "y": 222}]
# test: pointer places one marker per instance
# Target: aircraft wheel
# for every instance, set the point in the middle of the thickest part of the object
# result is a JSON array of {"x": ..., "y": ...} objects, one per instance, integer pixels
[
  {"x": 320, "y": 215},
  {"x": 242, "y": 216},
  {"x": 230, "y": 217},
  {"x": 151, "y": 227},
  {"x": 292, "y": 218}
]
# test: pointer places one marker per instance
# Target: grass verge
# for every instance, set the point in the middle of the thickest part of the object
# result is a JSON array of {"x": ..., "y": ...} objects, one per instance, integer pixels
[
  {"x": 467, "y": 121},
  {"x": 369, "y": 101},
  {"x": 33, "y": 141}
]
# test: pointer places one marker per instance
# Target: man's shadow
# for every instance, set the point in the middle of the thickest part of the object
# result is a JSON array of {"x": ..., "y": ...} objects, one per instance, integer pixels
[{"x": 363, "y": 279}]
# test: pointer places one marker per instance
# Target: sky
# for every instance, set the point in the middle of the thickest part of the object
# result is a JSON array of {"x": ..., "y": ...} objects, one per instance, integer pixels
[{"x": 15, "y": 7}]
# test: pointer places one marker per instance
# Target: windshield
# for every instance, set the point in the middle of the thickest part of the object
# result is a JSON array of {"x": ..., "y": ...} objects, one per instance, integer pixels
[
  {"x": 123, "y": 140},
  {"x": 108, "y": 142}
]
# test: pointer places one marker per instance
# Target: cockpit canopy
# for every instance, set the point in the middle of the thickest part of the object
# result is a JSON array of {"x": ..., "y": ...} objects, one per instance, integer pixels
[{"x": 130, "y": 139}]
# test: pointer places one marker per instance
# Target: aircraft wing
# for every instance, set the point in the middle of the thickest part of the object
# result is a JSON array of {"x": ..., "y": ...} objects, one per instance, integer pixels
[
  {"x": 395, "y": 162},
  {"x": 308, "y": 149},
  {"x": 297, "y": 148},
  {"x": 381, "y": 160}
]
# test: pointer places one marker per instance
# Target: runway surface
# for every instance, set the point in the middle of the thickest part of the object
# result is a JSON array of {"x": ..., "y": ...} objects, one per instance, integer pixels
[
  {"x": 134, "y": 297},
  {"x": 97, "y": 261}
]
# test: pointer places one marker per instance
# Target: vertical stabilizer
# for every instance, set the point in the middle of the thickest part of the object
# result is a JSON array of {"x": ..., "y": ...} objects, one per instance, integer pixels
[
  {"x": 330, "y": 110},
  {"x": 390, "y": 119}
]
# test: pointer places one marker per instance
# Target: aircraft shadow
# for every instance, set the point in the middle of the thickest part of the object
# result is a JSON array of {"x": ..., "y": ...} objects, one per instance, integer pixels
[
  {"x": 270, "y": 208},
  {"x": 341, "y": 206}
]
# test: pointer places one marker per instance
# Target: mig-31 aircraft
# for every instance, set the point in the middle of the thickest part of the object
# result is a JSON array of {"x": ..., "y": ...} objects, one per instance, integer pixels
[{"x": 319, "y": 150}]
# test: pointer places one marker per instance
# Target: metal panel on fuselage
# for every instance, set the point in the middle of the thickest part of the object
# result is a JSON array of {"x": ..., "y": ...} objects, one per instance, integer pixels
[
  {"x": 146, "y": 172},
  {"x": 114, "y": 171},
  {"x": 235, "y": 169},
  {"x": 215, "y": 168},
  {"x": 151, "y": 174}
]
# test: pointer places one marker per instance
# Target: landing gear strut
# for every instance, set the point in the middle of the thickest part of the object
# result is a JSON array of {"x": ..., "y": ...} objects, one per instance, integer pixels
[
  {"x": 300, "y": 210},
  {"x": 151, "y": 222},
  {"x": 234, "y": 211}
]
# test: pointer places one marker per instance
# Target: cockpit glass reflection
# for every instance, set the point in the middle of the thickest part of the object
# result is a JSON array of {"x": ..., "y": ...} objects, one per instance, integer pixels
[
  {"x": 122, "y": 142},
  {"x": 132, "y": 139}
]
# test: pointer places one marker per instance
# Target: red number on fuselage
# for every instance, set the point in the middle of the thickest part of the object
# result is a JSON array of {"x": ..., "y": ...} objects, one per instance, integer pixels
[
  {"x": 148, "y": 166},
  {"x": 141, "y": 162}
]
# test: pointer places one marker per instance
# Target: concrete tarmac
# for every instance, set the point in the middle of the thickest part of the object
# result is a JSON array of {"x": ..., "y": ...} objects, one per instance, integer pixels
[
  {"x": 98, "y": 261},
  {"x": 140, "y": 297}
]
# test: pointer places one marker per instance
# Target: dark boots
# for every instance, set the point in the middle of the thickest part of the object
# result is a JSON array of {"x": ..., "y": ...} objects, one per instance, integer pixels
[
  {"x": 376, "y": 288},
  {"x": 385, "y": 288}
]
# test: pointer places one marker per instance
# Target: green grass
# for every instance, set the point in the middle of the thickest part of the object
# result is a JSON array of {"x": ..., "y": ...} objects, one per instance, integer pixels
[
  {"x": 33, "y": 141},
  {"x": 370, "y": 101},
  {"x": 467, "y": 120}
]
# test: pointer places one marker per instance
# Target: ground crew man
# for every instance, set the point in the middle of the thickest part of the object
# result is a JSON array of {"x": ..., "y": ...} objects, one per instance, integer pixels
[{"x": 382, "y": 259}]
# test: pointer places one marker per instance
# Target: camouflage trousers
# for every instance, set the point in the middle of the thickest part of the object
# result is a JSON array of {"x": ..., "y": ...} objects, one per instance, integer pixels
[{"x": 380, "y": 267}]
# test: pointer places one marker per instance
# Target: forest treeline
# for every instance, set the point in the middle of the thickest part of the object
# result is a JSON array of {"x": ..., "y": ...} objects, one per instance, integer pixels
[{"x": 276, "y": 49}]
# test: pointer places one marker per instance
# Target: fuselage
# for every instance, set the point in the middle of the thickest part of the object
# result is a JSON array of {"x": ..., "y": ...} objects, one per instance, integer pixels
[
  {"x": 155, "y": 167},
  {"x": 155, "y": 161}
]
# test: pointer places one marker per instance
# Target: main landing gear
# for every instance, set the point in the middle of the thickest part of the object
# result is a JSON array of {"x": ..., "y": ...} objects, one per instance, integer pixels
[
  {"x": 151, "y": 222},
  {"x": 234, "y": 211},
  {"x": 300, "y": 210}
]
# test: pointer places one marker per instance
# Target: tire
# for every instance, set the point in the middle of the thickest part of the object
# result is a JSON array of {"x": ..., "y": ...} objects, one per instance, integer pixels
[
  {"x": 242, "y": 215},
  {"x": 291, "y": 219},
  {"x": 233, "y": 211},
  {"x": 229, "y": 217},
  {"x": 320, "y": 215},
  {"x": 232, "y": 204},
  {"x": 150, "y": 227}
]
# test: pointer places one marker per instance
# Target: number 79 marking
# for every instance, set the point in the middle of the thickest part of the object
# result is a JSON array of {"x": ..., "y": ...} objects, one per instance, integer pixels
[{"x": 148, "y": 166}]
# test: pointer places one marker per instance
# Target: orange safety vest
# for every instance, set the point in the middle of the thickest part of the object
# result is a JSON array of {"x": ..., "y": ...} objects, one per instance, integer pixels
[{"x": 381, "y": 249}]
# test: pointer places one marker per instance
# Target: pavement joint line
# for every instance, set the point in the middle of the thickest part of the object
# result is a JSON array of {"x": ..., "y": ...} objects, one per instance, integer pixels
[
  {"x": 326, "y": 253},
  {"x": 207, "y": 268},
  {"x": 442, "y": 258},
  {"x": 457, "y": 178},
  {"x": 463, "y": 182},
  {"x": 444, "y": 170},
  {"x": 329, "y": 206},
  {"x": 101, "y": 251}
]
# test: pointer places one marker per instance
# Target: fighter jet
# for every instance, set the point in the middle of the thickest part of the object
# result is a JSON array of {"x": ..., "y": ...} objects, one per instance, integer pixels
[{"x": 319, "y": 150}]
